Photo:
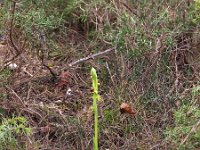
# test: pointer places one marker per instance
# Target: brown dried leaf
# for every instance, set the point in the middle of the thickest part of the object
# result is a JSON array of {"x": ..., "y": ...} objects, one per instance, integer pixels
[
  {"x": 126, "y": 108},
  {"x": 63, "y": 79}
]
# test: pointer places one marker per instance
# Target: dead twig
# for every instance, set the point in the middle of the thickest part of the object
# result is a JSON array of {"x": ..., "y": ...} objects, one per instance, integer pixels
[
  {"x": 43, "y": 42},
  {"x": 111, "y": 76},
  {"x": 176, "y": 71},
  {"x": 50, "y": 70},
  {"x": 24, "y": 70},
  {"x": 90, "y": 57},
  {"x": 11, "y": 30},
  {"x": 16, "y": 48},
  {"x": 155, "y": 56},
  {"x": 14, "y": 93}
]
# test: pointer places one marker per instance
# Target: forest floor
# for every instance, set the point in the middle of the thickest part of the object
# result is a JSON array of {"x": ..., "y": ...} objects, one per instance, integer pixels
[
  {"x": 45, "y": 76},
  {"x": 59, "y": 109}
]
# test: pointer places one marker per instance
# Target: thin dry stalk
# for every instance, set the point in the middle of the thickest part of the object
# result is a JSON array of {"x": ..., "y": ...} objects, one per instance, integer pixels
[{"x": 90, "y": 57}]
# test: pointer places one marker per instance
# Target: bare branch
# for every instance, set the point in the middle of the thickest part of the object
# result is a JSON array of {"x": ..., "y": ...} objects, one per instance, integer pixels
[
  {"x": 11, "y": 30},
  {"x": 90, "y": 57}
]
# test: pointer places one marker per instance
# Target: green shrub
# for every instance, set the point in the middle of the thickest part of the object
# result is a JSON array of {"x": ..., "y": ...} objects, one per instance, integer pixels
[
  {"x": 185, "y": 134},
  {"x": 196, "y": 12},
  {"x": 10, "y": 129}
]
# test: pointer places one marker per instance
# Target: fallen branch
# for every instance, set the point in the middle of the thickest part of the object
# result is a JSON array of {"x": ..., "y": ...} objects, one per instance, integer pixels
[{"x": 90, "y": 57}]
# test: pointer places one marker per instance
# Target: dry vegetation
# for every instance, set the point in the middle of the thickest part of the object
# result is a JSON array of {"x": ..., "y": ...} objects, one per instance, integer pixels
[{"x": 154, "y": 66}]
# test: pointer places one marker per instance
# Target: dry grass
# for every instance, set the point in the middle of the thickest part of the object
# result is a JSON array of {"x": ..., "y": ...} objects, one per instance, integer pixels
[{"x": 153, "y": 65}]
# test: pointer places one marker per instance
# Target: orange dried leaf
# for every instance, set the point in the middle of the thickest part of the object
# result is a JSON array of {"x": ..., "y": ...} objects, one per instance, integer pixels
[{"x": 126, "y": 108}]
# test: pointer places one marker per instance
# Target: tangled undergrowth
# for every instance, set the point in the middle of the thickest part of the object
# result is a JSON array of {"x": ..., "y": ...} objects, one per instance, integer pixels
[{"x": 146, "y": 54}]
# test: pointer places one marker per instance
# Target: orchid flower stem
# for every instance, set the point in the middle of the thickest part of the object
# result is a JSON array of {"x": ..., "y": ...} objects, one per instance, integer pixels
[{"x": 95, "y": 98}]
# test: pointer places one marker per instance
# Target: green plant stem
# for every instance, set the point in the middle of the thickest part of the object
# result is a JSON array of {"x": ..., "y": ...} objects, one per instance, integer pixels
[
  {"x": 95, "y": 124},
  {"x": 95, "y": 98}
]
